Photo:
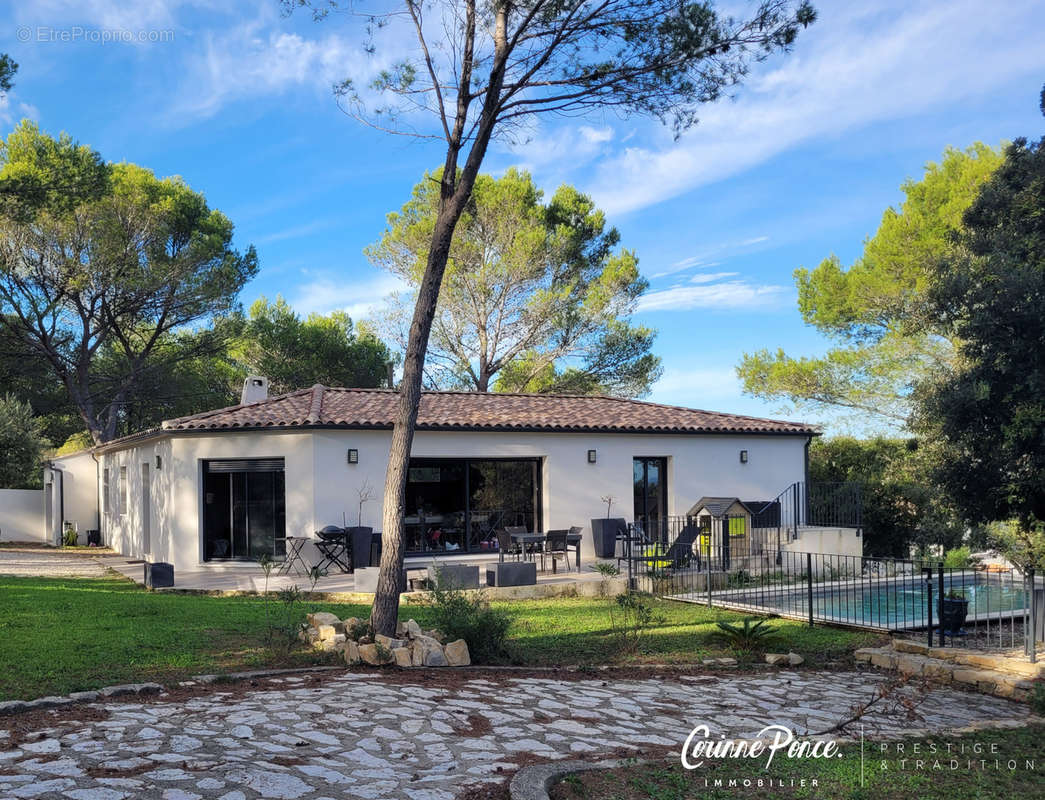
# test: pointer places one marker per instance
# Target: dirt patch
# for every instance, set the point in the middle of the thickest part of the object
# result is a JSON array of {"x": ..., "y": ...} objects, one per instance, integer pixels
[
  {"x": 473, "y": 726},
  {"x": 31, "y": 726},
  {"x": 126, "y": 772},
  {"x": 488, "y": 791}
]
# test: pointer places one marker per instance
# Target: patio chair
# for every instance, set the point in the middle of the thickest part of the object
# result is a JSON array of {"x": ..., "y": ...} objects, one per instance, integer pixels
[
  {"x": 510, "y": 529},
  {"x": 507, "y": 546},
  {"x": 556, "y": 547}
]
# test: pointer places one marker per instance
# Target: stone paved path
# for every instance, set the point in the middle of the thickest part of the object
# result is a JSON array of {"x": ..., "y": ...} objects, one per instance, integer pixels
[
  {"x": 360, "y": 736},
  {"x": 44, "y": 564}
]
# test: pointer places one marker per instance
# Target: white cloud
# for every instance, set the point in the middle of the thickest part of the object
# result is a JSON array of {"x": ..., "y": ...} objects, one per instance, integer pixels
[
  {"x": 359, "y": 299},
  {"x": 248, "y": 62},
  {"x": 139, "y": 15},
  {"x": 855, "y": 66},
  {"x": 711, "y": 277},
  {"x": 13, "y": 110},
  {"x": 726, "y": 295}
]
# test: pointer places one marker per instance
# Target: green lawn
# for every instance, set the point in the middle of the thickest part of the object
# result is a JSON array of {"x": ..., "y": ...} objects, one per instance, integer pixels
[
  {"x": 72, "y": 634},
  {"x": 838, "y": 779}
]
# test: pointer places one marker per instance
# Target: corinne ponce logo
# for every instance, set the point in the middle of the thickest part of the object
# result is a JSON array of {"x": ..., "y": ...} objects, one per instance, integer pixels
[{"x": 769, "y": 741}]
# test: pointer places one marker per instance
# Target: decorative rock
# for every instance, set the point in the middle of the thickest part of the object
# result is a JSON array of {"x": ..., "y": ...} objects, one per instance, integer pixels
[
  {"x": 309, "y": 635},
  {"x": 719, "y": 662},
  {"x": 434, "y": 634},
  {"x": 351, "y": 653},
  {"x": 317, "y": 618},
  {"x": 777, "y": 659},
  {"x": 370, "y": 655},
  {"x": 457, "y": 654},
  {"x": 426, "y": 651},
  {"x": 388, "y": 642},
  {"x": 403, "y": 657},
  {"x": 794, "y": 659},
  {"x": 330, "y": 631},
  {"x": 412, "y": 629},
  {"x": 352, "y": 622}
]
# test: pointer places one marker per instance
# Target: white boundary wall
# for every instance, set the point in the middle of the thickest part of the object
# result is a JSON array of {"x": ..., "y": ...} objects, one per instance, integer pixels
[{"x": 22, "y": 515}]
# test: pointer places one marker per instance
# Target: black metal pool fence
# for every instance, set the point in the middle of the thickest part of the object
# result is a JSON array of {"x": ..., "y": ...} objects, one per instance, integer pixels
[{"x": 731, "y": 563}]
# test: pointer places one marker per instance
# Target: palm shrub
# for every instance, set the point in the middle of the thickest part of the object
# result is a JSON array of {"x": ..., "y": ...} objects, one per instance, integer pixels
[{"x": 751, "y": 635}]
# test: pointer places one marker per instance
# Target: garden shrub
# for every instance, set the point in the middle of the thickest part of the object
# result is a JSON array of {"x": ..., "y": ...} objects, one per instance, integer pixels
[{"x": 466, "y": 614}]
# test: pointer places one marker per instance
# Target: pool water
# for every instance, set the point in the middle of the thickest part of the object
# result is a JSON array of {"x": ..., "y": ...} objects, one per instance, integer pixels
[{"x": 887, "y": 603}]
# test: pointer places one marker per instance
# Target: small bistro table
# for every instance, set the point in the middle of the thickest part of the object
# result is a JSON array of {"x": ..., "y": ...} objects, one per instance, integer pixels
[
  {"x": 293, "y": 560},
  {"x": 525, "y": 539}
]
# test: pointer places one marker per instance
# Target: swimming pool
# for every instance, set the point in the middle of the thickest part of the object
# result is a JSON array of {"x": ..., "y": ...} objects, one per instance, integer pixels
[{"x": 882, "y": 603}]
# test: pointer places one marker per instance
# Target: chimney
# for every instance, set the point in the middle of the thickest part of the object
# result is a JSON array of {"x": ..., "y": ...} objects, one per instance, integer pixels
[
  {"x": 255, "y": 389},
  {"x": 391, "y": 374}
]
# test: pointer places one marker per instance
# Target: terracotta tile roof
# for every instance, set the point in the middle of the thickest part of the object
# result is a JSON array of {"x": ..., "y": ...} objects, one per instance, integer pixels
[{"x": 374, "y": 408}]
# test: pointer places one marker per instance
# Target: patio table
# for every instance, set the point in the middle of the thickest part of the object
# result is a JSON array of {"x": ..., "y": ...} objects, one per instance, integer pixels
[
  {"x": 293, "y": 560},
  {"x": 540, "y": 538}
]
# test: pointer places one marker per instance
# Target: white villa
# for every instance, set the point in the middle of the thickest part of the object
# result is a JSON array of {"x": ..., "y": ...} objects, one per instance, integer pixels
[{"x": 231, "y": 484}]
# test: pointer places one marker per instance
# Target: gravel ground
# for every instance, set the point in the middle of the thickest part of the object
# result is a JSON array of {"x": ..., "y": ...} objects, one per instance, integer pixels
[{"x": 50, "y": 564}]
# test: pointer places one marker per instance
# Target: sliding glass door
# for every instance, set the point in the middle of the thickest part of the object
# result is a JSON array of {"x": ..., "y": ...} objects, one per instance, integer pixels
[
  {"x": 456, "y": 505},
  {"x": 244, "y": 509}
]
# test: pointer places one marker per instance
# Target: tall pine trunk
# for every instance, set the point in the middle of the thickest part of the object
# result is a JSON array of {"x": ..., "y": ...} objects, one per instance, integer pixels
[{"x": 393, "y": 537}]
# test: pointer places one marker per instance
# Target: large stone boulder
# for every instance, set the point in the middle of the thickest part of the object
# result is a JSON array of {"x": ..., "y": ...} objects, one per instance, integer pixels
[
  {"x": 389, "y": 642},
  {"x": 794, "y": 659},
  {"x": 317, "y": 618},
  {"x": 377, "y": 656},
  {"x": 403, "y": 657},
  {"x": 351, "y": 653},
  {"x": 329, "y": 631},
  {"x": 457, "y": 654},
  {"x": 426, "y": 652},
  {"x": 411, "y": 628},
  {"x": 776, "y": 659}
]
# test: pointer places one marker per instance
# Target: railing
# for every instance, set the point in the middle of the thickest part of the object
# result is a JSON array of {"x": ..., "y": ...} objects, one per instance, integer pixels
[
  {"x": 828, "y": 505},
  {"x": 720, "y": 566}
]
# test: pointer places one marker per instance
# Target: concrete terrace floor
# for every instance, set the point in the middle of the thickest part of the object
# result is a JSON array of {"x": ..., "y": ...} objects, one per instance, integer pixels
[{"x": 248, "y": 577}]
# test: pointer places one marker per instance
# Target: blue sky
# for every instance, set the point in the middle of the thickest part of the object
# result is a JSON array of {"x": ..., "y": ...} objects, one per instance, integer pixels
[{"x": 799, "y": 165}]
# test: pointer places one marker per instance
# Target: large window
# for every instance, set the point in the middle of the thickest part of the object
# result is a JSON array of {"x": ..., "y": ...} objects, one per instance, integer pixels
[
  {"x": 649, "y": 476},
  {"x": 244, "y": 509},
  {"x": 123, "y": 491},
  {"x": 458, "y": 505}
]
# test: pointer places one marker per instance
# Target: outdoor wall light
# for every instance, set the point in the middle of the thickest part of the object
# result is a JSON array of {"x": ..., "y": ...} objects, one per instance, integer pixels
[
  {"x": 743, "y": 456},
  {"x": 353, "y": 456},
  {"x": 591, "y": 456}
]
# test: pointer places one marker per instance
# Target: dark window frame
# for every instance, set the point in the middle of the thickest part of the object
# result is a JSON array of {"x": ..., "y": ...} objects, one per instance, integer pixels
[{"x": 465, "y": 461}]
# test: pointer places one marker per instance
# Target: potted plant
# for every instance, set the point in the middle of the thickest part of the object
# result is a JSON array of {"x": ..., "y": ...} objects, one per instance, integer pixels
[
  {"x": 954, "y": 608},
  {"x": 361, "y": 535},
  {"x": 604, "y": 531}
]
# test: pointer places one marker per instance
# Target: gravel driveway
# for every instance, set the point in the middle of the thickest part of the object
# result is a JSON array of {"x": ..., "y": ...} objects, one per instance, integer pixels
[{"x": 49, "y": 564}]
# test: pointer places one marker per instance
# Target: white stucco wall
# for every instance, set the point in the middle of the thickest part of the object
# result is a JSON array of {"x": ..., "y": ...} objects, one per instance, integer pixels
[
  {"x": 572, "y": 488},
  {"x": 322, "y": 487},
  {"x": 836, "y": 541},
  {"x": 79, "y": 488},
  {"x": 22, "y": 516}
]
